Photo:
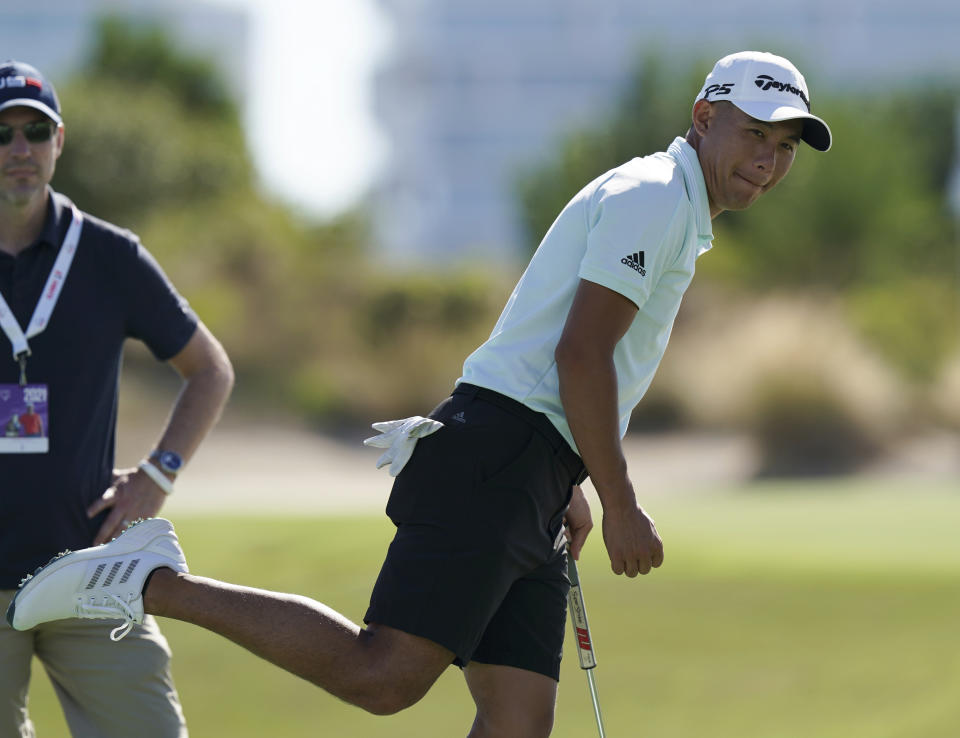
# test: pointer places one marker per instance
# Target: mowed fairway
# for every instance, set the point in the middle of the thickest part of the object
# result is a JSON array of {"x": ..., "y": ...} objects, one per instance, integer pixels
[{"x": 793, "y": 610}]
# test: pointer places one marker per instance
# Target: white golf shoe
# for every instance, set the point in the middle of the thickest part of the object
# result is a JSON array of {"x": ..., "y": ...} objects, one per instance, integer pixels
[{"x": 102, "y": 582}]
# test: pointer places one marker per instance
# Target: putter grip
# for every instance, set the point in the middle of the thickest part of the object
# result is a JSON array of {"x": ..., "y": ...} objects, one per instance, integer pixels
[{"x": 578, "y": 616}]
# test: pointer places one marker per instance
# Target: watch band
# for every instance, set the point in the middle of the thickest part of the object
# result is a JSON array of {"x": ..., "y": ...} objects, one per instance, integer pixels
[{"x": 157, "y": 476}]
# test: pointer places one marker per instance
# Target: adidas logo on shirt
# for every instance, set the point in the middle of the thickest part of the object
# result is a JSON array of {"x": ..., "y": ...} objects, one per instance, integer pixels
[
  {"x": 459, "y": 417},
  {"x": 635, "y": 262}
]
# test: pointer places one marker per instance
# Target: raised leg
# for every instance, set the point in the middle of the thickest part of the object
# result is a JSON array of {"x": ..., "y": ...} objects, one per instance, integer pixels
[{"x": 380, "y": 669}]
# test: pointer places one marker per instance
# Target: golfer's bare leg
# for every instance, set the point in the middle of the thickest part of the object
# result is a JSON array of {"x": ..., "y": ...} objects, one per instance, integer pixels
[
  {"x": 380, "y": 669},
  {"x": 511, "y": 702}
]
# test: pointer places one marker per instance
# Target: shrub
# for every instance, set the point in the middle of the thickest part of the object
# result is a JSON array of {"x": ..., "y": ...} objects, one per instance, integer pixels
[
  {"x": 913, "y": 323},
  {"x": 803, "y": 427},
  {"x": 791, "y": 372},
  {"x": 945, "y": 394}
]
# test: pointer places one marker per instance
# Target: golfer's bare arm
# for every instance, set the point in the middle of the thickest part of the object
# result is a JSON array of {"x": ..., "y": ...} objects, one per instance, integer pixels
[{"x": 598, "y": 319}]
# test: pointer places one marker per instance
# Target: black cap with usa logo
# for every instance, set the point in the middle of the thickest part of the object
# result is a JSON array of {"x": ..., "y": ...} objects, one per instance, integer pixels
[{"x": 23, "y": 85}]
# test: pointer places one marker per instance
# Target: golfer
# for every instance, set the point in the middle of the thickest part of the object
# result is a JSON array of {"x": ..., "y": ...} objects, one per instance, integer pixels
[{"x": 476, "y": 574}]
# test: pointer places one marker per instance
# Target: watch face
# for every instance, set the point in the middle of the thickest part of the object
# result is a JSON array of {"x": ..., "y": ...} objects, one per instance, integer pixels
[{"x": 170, "y": 461}]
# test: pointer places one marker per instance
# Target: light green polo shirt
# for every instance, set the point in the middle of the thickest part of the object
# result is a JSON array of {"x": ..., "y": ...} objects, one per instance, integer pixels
[{"x": 637, "y": 230}]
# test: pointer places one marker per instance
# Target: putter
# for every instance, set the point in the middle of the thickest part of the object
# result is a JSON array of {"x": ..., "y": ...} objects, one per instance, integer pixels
[{"x": 581, "y": 632}]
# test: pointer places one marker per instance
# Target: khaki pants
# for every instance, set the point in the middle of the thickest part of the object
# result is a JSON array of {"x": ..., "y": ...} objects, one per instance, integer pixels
[{"x": 106, "y": 689}]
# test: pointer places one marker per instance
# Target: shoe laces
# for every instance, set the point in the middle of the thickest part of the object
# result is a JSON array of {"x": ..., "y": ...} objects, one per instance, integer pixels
[{"x": 89, "y": 610}]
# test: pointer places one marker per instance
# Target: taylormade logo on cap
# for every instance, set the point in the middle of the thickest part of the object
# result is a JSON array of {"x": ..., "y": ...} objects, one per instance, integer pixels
[
  {"x": 765, "y": 82},
  {"x": 766, "y": 87}
]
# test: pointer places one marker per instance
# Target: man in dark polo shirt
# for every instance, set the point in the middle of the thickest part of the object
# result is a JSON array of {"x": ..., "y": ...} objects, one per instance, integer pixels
[{"x": 73, "y": 289}]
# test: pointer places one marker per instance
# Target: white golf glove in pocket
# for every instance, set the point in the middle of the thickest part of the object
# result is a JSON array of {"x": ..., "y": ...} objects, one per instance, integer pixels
[{"x": 400, "y": 437}]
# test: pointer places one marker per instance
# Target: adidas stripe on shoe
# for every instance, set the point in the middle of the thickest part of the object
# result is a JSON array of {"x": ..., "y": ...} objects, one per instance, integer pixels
[{"x": 100, "y": 582}]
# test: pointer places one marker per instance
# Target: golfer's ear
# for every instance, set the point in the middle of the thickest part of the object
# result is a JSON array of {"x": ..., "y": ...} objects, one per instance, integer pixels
[{"x": 703, "y": 113}]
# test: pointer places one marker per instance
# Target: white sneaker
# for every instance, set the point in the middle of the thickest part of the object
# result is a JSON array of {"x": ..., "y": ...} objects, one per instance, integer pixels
[{"x": 100, "y": 582}]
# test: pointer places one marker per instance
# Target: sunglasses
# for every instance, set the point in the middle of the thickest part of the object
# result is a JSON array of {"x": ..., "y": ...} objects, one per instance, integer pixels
[{"x": 39, "y": 131}]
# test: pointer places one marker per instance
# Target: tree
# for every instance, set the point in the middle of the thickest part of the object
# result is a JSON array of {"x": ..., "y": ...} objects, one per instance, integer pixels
[
  {"x": 134, "y": 54},
  {"x": 651, "y": 113},
  {"x": 148, "y": 127}
]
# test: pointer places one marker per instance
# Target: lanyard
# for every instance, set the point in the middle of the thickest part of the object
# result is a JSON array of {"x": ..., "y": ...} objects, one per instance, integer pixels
[{"x": 48, "y": 299}]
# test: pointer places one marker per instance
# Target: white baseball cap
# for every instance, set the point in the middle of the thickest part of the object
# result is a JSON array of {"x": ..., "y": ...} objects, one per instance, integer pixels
[{"x": 766, "y": 87}]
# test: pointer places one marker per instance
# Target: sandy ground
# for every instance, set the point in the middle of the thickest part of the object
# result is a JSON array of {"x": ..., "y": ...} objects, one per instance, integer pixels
[{"x": 251, "y": 468}]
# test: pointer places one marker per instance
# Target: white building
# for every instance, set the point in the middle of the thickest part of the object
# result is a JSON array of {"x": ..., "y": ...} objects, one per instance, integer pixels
[{"x": 473, "y": 90}]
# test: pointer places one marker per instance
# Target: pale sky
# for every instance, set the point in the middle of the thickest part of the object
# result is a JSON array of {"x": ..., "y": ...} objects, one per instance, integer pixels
[{"x": 309, "y": 116}]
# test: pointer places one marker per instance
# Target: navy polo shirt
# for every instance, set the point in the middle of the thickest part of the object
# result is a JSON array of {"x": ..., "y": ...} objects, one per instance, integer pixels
[{"x": 115, "y": 290}]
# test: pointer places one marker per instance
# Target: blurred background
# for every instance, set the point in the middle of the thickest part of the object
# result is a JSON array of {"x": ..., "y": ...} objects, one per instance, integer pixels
[{"x": 347, "y": 190}]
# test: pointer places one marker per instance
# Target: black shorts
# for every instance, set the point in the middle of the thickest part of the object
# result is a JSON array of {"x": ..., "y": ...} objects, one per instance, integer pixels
[{"x": 478, "y": 563}]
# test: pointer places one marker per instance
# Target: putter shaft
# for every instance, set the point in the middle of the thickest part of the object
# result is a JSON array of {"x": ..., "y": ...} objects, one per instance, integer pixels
[{"x": 581, "y": 632}]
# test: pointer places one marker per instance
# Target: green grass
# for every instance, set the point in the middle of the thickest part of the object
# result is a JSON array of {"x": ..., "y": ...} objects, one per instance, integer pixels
[{"x": 822, "y": 610}]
